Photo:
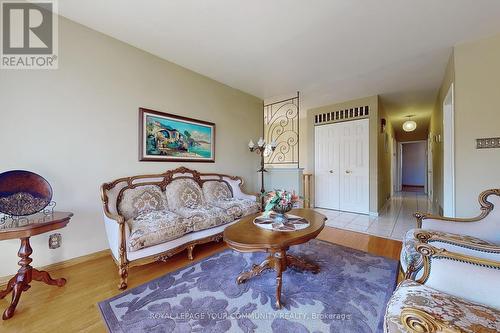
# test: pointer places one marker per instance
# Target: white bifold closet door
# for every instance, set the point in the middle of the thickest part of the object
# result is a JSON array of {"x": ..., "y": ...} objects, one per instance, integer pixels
[
  {"x": 342, "y": 166},
  {"x": 327, "y": 167}
]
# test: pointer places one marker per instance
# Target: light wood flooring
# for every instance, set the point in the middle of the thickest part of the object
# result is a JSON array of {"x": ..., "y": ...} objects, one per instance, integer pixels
[{"x": 73, "y": 308}]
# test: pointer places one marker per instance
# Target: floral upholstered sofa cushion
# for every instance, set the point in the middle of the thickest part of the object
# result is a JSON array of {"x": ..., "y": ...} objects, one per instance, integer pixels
[
  {"x": 155, "y": 217},
  {"x": 155, "y": 227},
  {"x": 410, "y": 256},
  {"x": 201, "y": 217},
  {"x": 217, "y": 193},
  {"x": 184, "y": 192},
  {"x": 142, "y": 199},
  {"x": 214, "y": 190},
  {"x": 457, "y": 312}
]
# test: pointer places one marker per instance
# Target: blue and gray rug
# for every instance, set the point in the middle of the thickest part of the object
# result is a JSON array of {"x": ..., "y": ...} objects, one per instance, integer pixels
[{"x": 348, "y": 295}]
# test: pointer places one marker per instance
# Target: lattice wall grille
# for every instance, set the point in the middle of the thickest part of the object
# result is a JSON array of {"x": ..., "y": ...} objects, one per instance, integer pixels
[
  {"x": 342, "y": 115},
  {"x": 281, "y": 124}
]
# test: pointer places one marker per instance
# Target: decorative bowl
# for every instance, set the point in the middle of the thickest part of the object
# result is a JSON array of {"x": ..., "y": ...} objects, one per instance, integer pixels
[
  {"x": 23, "y": 193},
  {"x": 282, "y": 209}
]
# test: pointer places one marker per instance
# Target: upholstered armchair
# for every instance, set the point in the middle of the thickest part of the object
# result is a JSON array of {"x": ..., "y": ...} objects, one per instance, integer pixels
[
  {"x": 456, "y": 293},
  {"x": 453, "y": 234},
  {"x": 485, "y": 226}
]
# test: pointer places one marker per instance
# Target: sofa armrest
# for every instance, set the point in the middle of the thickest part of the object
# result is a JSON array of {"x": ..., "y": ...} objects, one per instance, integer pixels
[
  {"x": 460, "y": 275},
  {"x": 243, "y": 195},
  {"x": 484, "y": 226},
  {"x": 417, "y": 320},
  {"x": 113, "y": 225}
]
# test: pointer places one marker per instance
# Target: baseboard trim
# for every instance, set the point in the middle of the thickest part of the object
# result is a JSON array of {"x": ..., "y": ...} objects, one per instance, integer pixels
[
  {"x": 64, "y": 264},
  {"x": 381, "y": 208}
]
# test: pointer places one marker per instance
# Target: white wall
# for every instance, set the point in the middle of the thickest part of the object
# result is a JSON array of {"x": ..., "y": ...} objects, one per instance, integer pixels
[
  {"x": 77, "y": 126},
  {"x": 414, "y": 164}
]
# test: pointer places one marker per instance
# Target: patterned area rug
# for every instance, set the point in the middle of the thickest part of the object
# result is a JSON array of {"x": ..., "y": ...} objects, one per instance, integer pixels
[{"x": 348, "y": 295}]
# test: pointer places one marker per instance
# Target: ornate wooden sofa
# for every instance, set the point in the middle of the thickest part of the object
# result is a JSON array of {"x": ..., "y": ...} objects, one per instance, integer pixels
[{"x": 152, "y": 217}]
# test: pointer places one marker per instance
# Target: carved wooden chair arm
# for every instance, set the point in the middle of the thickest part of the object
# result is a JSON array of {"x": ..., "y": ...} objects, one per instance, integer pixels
[
  {"x": 486, "y": 208},
  {"x": 424, "y": 236},
  {"x": 419, "y": 321},
  {"x": 428, "y": 251}
]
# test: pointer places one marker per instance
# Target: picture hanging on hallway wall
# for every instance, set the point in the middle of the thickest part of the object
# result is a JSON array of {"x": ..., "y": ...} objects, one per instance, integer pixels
[{"x": 172, "y": 138}]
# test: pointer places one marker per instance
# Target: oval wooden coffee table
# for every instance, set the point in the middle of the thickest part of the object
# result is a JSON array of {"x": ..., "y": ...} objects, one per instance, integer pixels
[{"x": 245, "y": 236}]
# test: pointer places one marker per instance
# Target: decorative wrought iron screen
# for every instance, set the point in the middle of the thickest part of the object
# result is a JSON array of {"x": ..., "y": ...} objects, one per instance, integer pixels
[{"x": 281, "y": 124}]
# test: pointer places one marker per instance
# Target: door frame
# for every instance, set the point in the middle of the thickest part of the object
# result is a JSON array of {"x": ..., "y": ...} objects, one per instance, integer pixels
[
  {"x": 400, "y": 163},
  {"x": 449, "y": 153},
  {"x": 315, "y": 157},
  {"x": 430, "y": 169},
  {"x": 394, "y": 166}
]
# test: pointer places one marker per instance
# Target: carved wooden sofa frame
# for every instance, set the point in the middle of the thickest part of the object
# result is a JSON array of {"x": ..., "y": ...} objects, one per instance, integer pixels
[
  {"x": 115, "y": 189},
  {"x": 484, "y": 226},
  {"x": 486, "y": 208},
  {"x": 419, "y": 321}
]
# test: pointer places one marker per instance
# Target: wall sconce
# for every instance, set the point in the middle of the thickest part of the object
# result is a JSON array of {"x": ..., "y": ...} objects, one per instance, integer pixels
[{"x": 383, "y": 123}]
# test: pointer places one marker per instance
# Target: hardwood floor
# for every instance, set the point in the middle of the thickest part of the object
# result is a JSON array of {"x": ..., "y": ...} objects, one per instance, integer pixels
[{"x": 73, "y": 308}]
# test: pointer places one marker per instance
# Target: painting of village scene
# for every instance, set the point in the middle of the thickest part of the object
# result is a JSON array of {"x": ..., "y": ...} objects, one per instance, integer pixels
[{"x": 169, "y": 137}]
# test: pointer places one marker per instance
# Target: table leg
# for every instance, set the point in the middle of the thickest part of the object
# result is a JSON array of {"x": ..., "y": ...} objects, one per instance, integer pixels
[
  {"x": 256, "y": 270},
  {"x": 10, "y": 286},
  {"x": 21, "y": 281},
  {"x": 280, "y": 264},
  {"x": 279, "y": 261},
  {"x": 23, "y": 277},
  {"x": 45, "y": 277},
  {"x": 301, "y": 265}
]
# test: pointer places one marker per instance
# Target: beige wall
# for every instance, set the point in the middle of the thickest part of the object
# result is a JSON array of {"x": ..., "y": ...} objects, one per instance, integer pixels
[
  {"x": 77, "y": 126},
  {"x": 307, "y": 141},
  {"x": 435, "y": 129},
  {"x": 477, "y": 115},
  {"x": 385, "y": 153}
]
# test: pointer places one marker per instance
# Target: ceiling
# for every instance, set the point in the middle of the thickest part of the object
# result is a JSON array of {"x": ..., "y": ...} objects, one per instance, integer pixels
[{"x": 329, "y": 50}]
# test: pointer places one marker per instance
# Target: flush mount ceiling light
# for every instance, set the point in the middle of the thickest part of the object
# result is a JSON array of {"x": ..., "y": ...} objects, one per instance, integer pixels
[{"x": 409, "y": 125}]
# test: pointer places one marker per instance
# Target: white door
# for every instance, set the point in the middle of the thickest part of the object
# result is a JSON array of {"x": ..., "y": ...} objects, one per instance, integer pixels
[
  {"x": 326, "y": 166},
  {"x": 354, "y": 166}
]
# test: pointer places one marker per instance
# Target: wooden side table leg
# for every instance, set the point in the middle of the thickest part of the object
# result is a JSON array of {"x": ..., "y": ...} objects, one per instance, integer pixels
[
  {"x": 23, "y": 277},
  {"x": 10, "y": 286},
  {"x": 45, "y": 277}
]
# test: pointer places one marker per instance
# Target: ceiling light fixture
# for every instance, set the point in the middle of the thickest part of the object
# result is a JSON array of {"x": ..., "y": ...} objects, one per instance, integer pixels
[{"x": 409, "y": 125}]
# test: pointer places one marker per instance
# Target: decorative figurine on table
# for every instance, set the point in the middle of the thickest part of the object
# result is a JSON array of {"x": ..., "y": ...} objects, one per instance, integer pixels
[{"x": 278, "y": 203}]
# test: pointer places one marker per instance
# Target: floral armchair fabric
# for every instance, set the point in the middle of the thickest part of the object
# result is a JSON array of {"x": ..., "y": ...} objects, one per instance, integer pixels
[{"x": 456, "y": 293}]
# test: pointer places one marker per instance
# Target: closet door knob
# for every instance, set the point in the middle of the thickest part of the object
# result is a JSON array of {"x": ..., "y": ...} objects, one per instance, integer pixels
[
  {"x": 331, "y": 171},
  {"x": 348, "y": 171}
]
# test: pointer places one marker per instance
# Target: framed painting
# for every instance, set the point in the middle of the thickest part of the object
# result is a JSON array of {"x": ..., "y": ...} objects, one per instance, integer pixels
[{"x": 172, "y": 138}]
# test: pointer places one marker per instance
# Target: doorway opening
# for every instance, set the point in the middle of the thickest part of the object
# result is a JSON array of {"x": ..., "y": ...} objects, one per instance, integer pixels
[{"x": 413, "y": 166}]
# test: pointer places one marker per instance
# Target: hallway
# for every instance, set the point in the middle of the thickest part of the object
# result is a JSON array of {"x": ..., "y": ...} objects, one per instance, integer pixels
[{"x": 395, "y": 219}]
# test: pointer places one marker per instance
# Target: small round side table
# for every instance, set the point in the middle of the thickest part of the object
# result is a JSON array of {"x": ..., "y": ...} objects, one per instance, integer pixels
[{"x": 23, "y": 228}]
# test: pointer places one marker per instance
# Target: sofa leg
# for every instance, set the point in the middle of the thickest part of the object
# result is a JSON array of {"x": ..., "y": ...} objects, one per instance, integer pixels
[
  {"x": 190, "y": 251},
  {"x": 123, "y": 273}
]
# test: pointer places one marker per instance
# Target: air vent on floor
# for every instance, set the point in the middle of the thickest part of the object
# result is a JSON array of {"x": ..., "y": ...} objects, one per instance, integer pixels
[{"x": 342, "y": 115}]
